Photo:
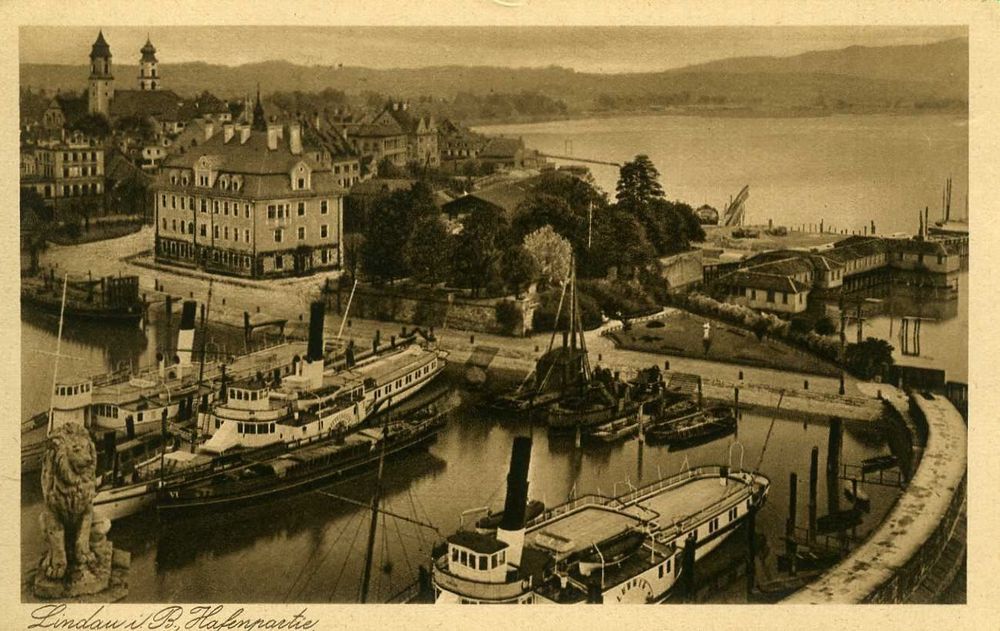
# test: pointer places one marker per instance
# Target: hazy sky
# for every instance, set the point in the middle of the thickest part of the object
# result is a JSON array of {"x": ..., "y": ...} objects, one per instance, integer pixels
[{"x": 590, "y": 49}]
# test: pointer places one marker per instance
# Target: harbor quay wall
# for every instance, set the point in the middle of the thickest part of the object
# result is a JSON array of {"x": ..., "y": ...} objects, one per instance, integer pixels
[
  {"x": 902, "y": 552},
  {"x": 436, "y": 309}
]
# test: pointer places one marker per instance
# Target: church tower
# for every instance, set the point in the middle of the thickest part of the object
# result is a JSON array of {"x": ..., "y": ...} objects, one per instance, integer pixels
[
  {"x": 149, "y": 78},
  {"x": 102, "y": 82}
]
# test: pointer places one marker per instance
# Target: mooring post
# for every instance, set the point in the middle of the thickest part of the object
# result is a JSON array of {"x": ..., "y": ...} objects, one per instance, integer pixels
[
  {"x": 833, "y": 465},
  {"x": 687, "y": 568},
  {"x": 699, "y": 393},
  {"x": 246, "y": 325},
  {"x": 736, "y": 402},
  {"x": 813, "y": 480},
  {"x": 793, "y": 495},
  {"x": 169, "y": 306},
  {"x": 751, "y": 549}
]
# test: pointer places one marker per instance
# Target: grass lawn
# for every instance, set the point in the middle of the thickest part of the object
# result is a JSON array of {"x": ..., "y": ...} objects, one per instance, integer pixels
[{"x": 681, "y": 334}]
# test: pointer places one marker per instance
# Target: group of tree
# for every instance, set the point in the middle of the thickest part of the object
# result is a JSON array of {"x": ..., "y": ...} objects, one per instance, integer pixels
[{"x": 563, "y": 219}]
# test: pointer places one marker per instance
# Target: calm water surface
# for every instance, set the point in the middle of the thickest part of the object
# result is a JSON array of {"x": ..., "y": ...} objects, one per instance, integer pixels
[{"x": 846, "y": 170}]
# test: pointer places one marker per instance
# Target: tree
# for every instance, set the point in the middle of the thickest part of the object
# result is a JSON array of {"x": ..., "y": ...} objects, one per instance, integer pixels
[
  {"x": 428, "y": 250},
  {"x": 353, "y": 247},
  {"x": 130, "y": 195},
  {"x": 92, "y": 125},
  {"x": 388, "y": 229},
  {"x": 825, "y": 326},
  {"x": 385, "y": 168},
  {"x": 869, "y": 358},
  {"x": 619, "y": 241},
  {"x": 477, "y": 251},
  {"x": 638, "y": 184},
  {"x": 518, "y": 268},
  {"x": 509, "y": 316},
  {"x": 137, "y": 126},
  {"x": 552, "y": 255},
  {"x": 36, "y": 226}
]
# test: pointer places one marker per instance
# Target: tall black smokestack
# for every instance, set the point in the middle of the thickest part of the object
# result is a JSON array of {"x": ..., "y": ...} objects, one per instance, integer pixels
[
  {"x": 185, "y": 337},
  {"x": 517, "y": 485},
  {"x": 316, "y": 313}
]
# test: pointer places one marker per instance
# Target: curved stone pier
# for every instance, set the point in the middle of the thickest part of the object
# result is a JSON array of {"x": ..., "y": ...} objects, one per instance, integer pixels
[{"x": 891, "y": 565}]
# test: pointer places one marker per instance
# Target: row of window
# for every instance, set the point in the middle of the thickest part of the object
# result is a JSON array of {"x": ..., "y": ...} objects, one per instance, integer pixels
[
  {"x": 106, "y": 410},
  {"x": 255, "y": 428},
  {"x": 84, "y": 171},
  {"x": 665, "y": 568},
  {"x": 246, "y": 395},
  {"x": 77, "y": 156},
  {"x": 478, "y": 561},
  {"x": 401, "y": 381},
  {"x": 67, "y": 391},
  {"x": 771, "y": 296}
]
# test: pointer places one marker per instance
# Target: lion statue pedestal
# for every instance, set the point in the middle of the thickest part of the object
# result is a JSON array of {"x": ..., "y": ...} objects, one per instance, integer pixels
[{"x": 80, "y": 563}]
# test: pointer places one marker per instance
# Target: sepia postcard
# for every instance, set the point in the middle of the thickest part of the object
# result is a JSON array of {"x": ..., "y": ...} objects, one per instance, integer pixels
[{"x": 499, "y": 303}]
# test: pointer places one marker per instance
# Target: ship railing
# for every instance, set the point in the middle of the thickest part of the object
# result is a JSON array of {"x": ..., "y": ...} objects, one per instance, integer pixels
[
  {"x": 508, "y": 591},
  {"x": 591, "y": 499},
  {"x": 654, "y": 487},
  {"x": 687, "y": 522}
]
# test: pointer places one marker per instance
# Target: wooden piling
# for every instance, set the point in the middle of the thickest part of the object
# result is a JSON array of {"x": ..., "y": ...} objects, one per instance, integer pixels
[
  {"x": 736, "y": 402},
  {"x": 813, "y": 480},
  {"x": 169, "y": 306},
  {"x": 793, "y": 496},
  {"x": 833, "y": 465},
  {"x": 751, "y": 549},
  {"x": 687, "y": 568}
]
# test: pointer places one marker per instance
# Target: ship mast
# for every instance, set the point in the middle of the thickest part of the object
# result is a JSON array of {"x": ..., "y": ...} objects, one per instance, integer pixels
[
  {"x": 373, "y": 524},
  {"x": 201, "y": 367},
  {"x": 55, "y": 368}
]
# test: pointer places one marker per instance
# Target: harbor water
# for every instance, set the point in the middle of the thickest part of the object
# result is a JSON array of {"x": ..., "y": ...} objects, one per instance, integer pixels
[{"x": 311, "y": 547}]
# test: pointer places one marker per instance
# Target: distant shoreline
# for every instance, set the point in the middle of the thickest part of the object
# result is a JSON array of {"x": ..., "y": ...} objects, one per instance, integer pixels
[{"x": 711, "y": 113}]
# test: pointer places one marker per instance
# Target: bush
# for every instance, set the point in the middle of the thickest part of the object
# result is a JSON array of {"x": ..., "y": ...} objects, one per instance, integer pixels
[
  {"x": 545, "y": 314},
  {"x": 825, "y": 326},
  {"x": 655, "y": 324},
  {"x": 800, "y": 325},
  {"x": 509, "y": 317},
  {"x": 621, "y": 298}
]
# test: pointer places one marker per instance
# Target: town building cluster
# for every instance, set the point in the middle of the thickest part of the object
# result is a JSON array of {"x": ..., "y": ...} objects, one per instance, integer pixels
[{"x": 229, "y": 186}]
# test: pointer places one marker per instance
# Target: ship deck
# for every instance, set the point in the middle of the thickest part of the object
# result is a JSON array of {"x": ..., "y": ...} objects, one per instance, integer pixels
[
  {"x": 680, "y": 502},
  {"x": 580, "y": 529}
]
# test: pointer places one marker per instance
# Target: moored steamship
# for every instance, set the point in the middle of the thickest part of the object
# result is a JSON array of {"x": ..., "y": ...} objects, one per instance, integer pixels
[{"x": 625, "y": 549}]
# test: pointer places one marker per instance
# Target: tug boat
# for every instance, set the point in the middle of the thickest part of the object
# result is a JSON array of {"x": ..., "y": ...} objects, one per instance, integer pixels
[
  {"x": 697, "y": 426},
  {"x": 597, "y": 549}
]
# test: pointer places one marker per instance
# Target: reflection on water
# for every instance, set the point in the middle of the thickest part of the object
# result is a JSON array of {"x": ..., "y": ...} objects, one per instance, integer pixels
[
  {"x": 940, "y": 340},
  {"x": 310, "y": 547}
]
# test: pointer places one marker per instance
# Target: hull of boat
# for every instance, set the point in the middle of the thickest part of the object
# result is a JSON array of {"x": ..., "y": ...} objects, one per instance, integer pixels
[
  {"x": 174, "y": 502},
  {"x": 130, "y": 315},
  {"x": 123, "y": 501}
]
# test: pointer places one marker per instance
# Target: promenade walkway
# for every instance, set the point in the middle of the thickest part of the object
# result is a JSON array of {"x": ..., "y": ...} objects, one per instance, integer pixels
[
  {"x": 924, "y": 526},
  {"x": 290, "y": 298}
]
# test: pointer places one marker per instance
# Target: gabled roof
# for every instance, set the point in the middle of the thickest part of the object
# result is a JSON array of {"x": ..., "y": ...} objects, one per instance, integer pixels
[
  {"x": 506, "y": 196},
  {"x": 757, "y": 280},
  {"x": 161, "y": 104},
  {"x": 500, "y": 147},
  {"x": 266, "y": 171}
]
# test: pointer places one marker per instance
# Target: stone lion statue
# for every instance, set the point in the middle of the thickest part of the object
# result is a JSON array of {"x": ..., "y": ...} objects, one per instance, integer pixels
[{"x": 68, "y": 487}]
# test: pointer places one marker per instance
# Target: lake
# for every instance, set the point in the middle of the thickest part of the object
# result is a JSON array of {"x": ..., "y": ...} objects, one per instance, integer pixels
[{"x": 846, "y": 170}]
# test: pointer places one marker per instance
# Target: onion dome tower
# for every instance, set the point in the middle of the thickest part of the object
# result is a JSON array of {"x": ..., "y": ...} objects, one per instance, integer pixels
[
  {"x": 101, "y": 88},
  {"x": 149, "y": 78}
]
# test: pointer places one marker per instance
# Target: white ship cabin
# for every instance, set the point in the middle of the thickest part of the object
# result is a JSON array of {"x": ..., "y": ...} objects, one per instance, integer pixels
[
  {"x": 71, "y": 403},
  {"x": 255, "y": 414},
  {"x": 389, "y": 379},
  {"x": 145, "y": 413}
]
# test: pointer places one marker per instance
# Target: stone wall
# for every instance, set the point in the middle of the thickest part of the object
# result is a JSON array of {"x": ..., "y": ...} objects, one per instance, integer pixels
[
  {"x": 682, "y": 270},
  {"x": 434, "y": 309},
  {"x": 903, "y": 551}
]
